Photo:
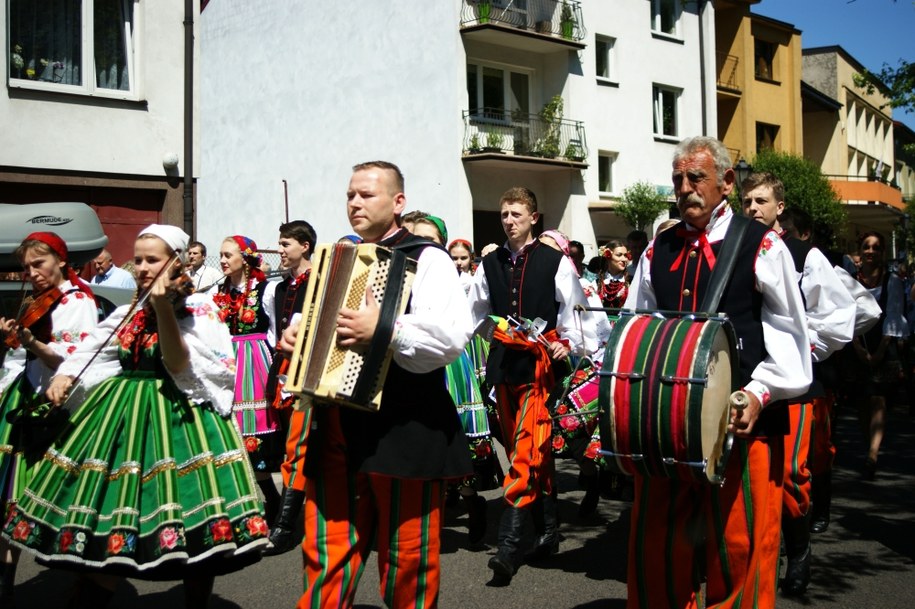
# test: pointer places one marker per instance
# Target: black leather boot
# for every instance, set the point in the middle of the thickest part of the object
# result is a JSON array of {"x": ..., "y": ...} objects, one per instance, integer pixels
[
  {"x": 508, "y": 556},
  {"x": 90, "y": 595},
  {"x": 546, "y": 525},
  {"x": 821, "y": 500},
  {"x": 282, "y": 535},
  {"x": 588, "y": 504},
  {"x": 797, "y": 547},
  {"x": 476, "y": 519},
  {"x": 7, "y": 580}
]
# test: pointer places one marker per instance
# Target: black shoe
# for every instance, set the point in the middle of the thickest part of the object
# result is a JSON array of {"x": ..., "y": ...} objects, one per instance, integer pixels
[
  {"x": 546, "y": 524},
  {"x": 283, "y": 534},
  {"x": 869, "y": 470},
  {"x": 819, "y": 525},
  {"x": 503, "y": 565},
  {"x": 797, "y": 575},
  {"x": 7, "y": 580},
  {"x": 588, "y": 504},
  {"x": 476, "y": 517}
]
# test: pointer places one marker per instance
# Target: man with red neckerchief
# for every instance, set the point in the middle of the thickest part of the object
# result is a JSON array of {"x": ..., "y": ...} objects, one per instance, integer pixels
[{"x": 683, "y": 531}]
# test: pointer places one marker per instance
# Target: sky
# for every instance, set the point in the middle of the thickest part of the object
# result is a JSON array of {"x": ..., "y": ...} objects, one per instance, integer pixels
[{"x": 874, "y": 32}]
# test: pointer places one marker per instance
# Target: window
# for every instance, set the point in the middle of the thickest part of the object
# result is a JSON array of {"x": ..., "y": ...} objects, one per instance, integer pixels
[
  {"x": 766, "y": 136},
  {"x": 764, "y": 56},
  {"x": 665, "y": 14},
  {"x": 605, "y": 161},
  {"x": 79, "y": 47},
  {"x": 605, "y": 60},
  {"x": 665, "y": 111},
  {"x": 494, "y": 92}
]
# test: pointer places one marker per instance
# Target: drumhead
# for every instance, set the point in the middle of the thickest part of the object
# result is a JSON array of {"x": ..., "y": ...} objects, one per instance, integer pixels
[{"x": 715, "y": 410}]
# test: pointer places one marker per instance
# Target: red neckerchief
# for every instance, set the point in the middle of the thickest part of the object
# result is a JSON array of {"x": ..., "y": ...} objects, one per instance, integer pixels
[{"x": 688, "y": 237}]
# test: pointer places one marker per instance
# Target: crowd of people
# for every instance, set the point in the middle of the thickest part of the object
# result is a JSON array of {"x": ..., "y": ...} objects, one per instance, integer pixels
[{"x": 144, "y": 445}]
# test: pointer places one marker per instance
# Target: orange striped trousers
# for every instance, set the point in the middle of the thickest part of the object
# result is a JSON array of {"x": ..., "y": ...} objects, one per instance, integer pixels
[
  {"x": 527, "y": 431},
  {"x": 293, "y": 466},
  {"x": 347, "y": 513},
  {"x": 823, "y": 450},
  {"x": 797, "y": 453},
  {"x": 735, "y": 527}
]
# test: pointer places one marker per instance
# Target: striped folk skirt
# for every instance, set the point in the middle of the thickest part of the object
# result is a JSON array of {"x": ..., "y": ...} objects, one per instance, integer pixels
[
  {"x": 259, "y": 422},
  {"x": 142, "y": 483}
]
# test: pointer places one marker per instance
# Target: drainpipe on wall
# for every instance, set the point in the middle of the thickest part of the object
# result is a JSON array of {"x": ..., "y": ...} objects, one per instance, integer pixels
[
  {"x": 188, "y": 195},
  {"x": 702, "y": 95}
]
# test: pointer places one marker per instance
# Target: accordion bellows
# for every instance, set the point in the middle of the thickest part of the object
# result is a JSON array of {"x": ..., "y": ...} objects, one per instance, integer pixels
[{"x": 322, "y": 371}]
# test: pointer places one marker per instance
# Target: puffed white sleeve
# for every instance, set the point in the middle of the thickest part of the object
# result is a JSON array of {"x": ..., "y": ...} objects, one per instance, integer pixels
[
  {"x": 573, "y": 322},
  {"x": 787, "y": 369},
  {"x": 71, "y": 321},
  {"x": 830, "y": 308},
  {"x": 210, "y": 375},
  {"x": 100, "y": 341},
  {"x": 13, "y": 366},
  {"x": 641, "y": 292},
  {"x": 867, "y": 309},
  {"x": 478, "y": 296},
  {"x": 437, "y": 326},
  {"x": 268, "y": 303}
]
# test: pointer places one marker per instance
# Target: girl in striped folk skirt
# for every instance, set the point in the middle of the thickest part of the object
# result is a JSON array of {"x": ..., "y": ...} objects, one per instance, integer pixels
[{"x": 150, "y": 479}]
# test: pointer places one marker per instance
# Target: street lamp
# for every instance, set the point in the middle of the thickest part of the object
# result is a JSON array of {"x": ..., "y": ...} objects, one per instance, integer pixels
[{"x": 742, "y": 170}]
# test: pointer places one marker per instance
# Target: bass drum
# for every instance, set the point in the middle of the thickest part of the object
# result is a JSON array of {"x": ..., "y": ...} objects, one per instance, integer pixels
[{"x": 664, "y": 395}]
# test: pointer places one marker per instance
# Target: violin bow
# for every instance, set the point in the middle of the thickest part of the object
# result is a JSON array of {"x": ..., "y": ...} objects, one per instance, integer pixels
[{"x": 131, "y": 313}]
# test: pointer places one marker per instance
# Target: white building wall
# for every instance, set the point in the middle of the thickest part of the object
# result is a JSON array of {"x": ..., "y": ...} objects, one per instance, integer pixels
[
  {"x": 302, "y": 93},
  {"x": 74, "y": 132}
]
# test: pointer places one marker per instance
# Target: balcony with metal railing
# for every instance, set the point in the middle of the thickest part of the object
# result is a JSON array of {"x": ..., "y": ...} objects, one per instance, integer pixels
[
  {"x": 539, "y": 26},
  {"x": 496, "y": 137},
  {"x": 727, "y": 73}
]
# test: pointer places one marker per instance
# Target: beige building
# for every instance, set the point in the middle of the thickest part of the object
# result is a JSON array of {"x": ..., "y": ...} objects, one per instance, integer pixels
[
  {"x": 853, "y": 144},
  {"x": 758, "y": 81}
]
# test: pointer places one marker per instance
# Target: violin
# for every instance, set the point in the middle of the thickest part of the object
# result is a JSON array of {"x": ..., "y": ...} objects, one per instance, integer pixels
[{"x": 36, "y": 309}]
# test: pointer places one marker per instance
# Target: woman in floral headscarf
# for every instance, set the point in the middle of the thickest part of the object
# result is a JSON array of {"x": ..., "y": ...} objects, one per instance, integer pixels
[{"x": 244, "y": 303}]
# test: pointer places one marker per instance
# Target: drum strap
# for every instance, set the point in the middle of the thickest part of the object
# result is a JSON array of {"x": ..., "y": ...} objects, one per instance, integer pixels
[
  {"x": 724, "y": 265},
  {"x": 387, "y": 315}
]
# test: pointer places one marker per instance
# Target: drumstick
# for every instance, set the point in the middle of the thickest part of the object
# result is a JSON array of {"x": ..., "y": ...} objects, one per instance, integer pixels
[{"x": 739, "y": 400}]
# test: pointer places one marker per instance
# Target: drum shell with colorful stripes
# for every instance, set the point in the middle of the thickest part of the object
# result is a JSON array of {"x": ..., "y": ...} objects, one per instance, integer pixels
[{"x": 664, "y": 395}]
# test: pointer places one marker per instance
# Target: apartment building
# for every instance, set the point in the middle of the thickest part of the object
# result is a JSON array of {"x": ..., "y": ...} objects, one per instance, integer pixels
[
  {"x": 463, "y": 95},
  {"x": 854, "y": 145},
  {"x": 93, "y": 110}
]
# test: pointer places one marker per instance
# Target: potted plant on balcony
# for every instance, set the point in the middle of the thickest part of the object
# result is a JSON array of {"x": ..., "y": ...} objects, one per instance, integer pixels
[
  {"x": 551, "y": 116},
  {"x": 494, "y": 141},
  {"x": 483, "y": 9},
  {"x": 567, "y": 21},
  {"x": 475, "y": 147},
  {"x": 574, "y": 152}
]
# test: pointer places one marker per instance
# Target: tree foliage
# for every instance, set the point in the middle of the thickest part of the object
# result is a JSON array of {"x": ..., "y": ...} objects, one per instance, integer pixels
[
  {"x": 641, "y": 204},
  {"x": 806, "y": 187}
]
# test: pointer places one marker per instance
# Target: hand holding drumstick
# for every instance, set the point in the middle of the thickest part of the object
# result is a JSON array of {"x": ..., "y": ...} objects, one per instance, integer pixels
[{"x": 745, "y": 409}]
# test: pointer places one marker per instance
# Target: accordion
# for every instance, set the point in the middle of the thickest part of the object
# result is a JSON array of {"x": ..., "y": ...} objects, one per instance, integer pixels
[{"x": 321, "y": 371}]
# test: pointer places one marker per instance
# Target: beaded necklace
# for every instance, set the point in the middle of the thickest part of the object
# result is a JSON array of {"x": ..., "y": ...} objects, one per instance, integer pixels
[{"x": 238, "y": 311}]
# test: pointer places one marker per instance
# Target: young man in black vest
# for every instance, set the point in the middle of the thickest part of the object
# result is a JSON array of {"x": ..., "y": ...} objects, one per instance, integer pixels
[
  {"x": 830, "y": 312},
  {"x": 376, "y": 479},
  {"x": 296, "y": 244},
  {"x": 682, "y": 530},
  {"x": 528, "y": 280}
]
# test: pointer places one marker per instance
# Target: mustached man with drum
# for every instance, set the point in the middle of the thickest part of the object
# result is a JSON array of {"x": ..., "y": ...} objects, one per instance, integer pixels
[
  {"x": 377, "y": 479},
  {"x": 684, "y": 532}
]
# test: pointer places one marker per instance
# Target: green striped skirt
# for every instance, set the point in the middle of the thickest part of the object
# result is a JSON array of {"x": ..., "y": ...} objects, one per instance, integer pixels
[{"x": 145, "y": 484}]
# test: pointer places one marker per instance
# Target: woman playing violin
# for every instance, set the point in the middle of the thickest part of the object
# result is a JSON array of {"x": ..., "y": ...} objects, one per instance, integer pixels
[
  {"x": 61, "y": 313},
  {"x": 150, "y": 480}
]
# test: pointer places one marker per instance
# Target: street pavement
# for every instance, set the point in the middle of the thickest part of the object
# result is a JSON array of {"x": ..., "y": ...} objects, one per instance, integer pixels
[{"x": 865, "y": 560}]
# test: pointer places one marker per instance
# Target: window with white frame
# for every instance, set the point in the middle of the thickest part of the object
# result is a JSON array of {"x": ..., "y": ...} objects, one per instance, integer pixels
[
  {"x": 664, "y": 106},
  {"x": 665, "y": 16},
  {"x": 605, "y": 162},
  {"x": 605, "y": 58},
  {"x": 74, "y": 46},
  {"x": 495, "y": 92}
]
